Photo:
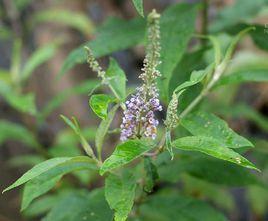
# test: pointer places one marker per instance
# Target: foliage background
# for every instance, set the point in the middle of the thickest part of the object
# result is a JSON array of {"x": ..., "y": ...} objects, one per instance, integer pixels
[{"x": 57, "y": 27}]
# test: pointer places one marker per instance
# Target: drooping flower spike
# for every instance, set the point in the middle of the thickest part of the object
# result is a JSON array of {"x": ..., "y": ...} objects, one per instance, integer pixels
[{"x": 139, "y": 117}]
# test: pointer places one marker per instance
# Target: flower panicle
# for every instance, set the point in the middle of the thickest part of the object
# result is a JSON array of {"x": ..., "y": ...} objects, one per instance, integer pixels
[
  {"x": 94, "y": 64},
  {"x": 139, "y": 118},
  {"x": 172, "y": 117}
]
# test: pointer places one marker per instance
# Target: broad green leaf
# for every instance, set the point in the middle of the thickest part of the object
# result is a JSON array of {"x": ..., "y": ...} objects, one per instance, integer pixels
[
  {"x": 120, "y": 194},
  {"x": 103, "y": 129},
  {"x": 139, "y": 6},
  {"x": 13, "y": 131},
  {"x": 40, "y": 56},
  {"x": 176, "y": 26},
  {"x": 56, "y": 101},
  {"x": 151, "y": 174},
  {"x": 244, "y": 76},
  {"x": 79, "y": 21},
  {"x": 117, "y": 79},
  {"x": 99, "y": 103},
  {"x": 114, "y": 35},
  {"x": 21, "y": 102},
  {"x": 49, "y": 165},
  {"x": 125, "y": 153},
  {"x": 47, "y": 180},
  {"x": 212, "y": 147},
  {"x": 259, "y": 36},
  {"x": 172, "y": 206},
  {"x": 37, "y": 187},
  {"x": 206, "y": 124},
  {"x": 196, "y": 77},
  {"x": 81, "y": 206}
]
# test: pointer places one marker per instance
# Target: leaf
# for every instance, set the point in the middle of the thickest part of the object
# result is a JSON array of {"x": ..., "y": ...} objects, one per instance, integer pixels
[
  {"x": 206, "y": 124},
  {"x": 176, "y": 26},
  {"x": 151, "y": 174},
  {"x": 103, "y": 129},
  {"x": 12, "y": 131},
  {"x": 139, "y": 6},
  {"x": 79, "y": 21},
  {"x": 81, "y": 206},
  {"x": 196, "y": 77},
  {"x": 99, "y": 104},
  {"x": 172, "y": 206},
  {"x": 125, "y": 153},
  {"x": 40, "y": 56},
  {"x": 212, "y": 147},
  {"x": 36, "y": 188},
  {"x": 47, "y": 180},
  {"x": 114, "y": 35},
  {"x": 243, "y": 76},
  {"x": 25, "y": 160},
  {"x": 120, "y": 194},
  {"x": 259, "y": 36},
  {"x": 49, "y": 165},
  {"x": 117, "y": 79},
  {"x": 22, "y": 102}
]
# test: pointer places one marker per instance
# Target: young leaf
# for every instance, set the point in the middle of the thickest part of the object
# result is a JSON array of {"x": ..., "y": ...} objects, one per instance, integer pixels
[
  {"x": 50, "y": 164},
  {"x": 114, "y": 35},
  {"x": 103, "y": 129},
  {"x": 196, "y": 77},
  {"x": 40, "y": 56},
  {"x": 120, "y": 194},
  {"x": 12, "y": 131},
  {"x": 79, "y": 21},
  {"x": 212, "y": 147},
  {"x": 117, "y": 79},
  {"x": 206, "y": 124},
  {"x": 139, "y": 6},
  {"x": 176, "y": 26},
  {"x": 125, "y": 153},
  {"x": 99, "y": 104},
  {"x": 151, "y": 174}
]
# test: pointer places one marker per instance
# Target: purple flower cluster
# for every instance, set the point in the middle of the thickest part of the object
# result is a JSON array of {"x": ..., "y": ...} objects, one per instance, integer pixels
[{"x": 139, "y": 118}]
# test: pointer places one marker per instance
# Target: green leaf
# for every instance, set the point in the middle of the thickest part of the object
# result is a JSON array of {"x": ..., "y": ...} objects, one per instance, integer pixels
[
  {"x": 81, "y": 206},
  {"x": 40, "y": 56},
  {"x": 13, "y": 131},
  {"x": 172, "y": 206},
  {"x": 151, "y": 174},
  {"x": 125, "y": 153},
  {"x": 177, "y": 26},
  {"x": 114, "y": 35},
  {"x": 206, "y": 124},
  {"x": 139, "y": 6},
  {"x": 244, "y": 76},
  {"x": 79, "y": 21},
  {"x": 212, "y": 147},
  {"x": 195, "y": 78},
  {"x": 99, "y": 104},
  {"x": 22, "y": 102},
  {"x": 37, "y": 187},
  {"x": 120, "y": 194},
  {"x": 117, "y": 79},
  {"x": 47, "y": 180},
  {"x": 49, "y": 165},
  {"x": 103, "y": 129},
  {"x": 259, "y": 36}
]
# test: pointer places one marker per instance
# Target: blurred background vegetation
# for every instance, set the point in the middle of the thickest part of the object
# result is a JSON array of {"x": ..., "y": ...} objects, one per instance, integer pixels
[{"x": 37, "y": 36}]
